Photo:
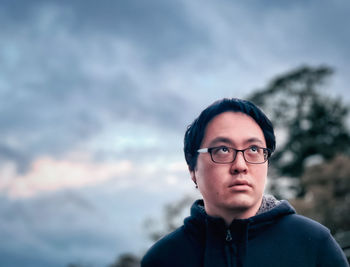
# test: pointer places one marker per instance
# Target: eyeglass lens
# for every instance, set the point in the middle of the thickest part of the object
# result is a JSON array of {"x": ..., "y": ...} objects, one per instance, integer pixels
[{"x": 227, "y": 155}]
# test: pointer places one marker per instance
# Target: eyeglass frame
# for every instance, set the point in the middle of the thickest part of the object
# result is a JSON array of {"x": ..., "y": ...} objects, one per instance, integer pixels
[{"x": 210, "y": 149}]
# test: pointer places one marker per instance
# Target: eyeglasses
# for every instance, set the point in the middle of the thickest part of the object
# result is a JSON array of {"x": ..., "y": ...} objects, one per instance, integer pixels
[{"x": 224, "y": 154}]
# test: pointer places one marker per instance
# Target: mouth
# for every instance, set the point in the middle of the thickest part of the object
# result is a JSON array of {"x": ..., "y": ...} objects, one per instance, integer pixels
[{"x": 240, "y": 184}]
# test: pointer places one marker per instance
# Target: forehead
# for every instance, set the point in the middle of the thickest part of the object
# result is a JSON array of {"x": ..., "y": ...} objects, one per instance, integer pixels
[{"x": 235, "y": 127}]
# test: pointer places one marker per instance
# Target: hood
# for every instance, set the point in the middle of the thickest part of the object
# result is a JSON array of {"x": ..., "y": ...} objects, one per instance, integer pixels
[
  {"x": 222, "y": 242},
  {"x": 270, "y": 210}
]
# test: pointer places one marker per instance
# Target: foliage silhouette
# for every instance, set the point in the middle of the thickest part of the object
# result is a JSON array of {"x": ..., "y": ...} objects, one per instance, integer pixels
[
  {"x": 126, "y": 260},
  {"x": 327, "y": 197},
  {"x": 313, "y": 122},
  {"x": 172, "y": 218}
]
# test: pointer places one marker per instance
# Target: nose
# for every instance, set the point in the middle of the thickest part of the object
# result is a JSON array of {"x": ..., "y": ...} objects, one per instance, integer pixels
[{"x": 239, "y": 165}]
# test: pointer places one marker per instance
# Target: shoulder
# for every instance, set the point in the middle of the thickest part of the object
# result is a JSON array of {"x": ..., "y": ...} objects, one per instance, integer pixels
[
  {"x": 284, "y": 217},
  {"x": 313, "y": 236},
  {"x": 171, "y": 250},
  {"x": 302, "y": 229},
  {"x": 168, "y": 241},
  {"x": 305, "y": 224}
]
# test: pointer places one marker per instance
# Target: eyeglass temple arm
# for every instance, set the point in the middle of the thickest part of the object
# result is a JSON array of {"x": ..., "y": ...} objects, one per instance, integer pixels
[{"x": 203, "y": 150}]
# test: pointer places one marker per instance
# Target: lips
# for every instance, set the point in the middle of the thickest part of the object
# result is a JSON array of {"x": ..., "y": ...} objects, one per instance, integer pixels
[{"x": 240, "y": 183}]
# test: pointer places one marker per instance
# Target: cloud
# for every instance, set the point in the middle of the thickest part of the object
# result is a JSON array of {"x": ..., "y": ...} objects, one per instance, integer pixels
[
  {"x": 61, "y": 96},
  {"x": 48, "y": 174},
  {"x": 58, "y": 224},
  {"x": 67, "y": 74},
  {"x": 139, "y": 166},
  {"x": 55, "y": 229}
]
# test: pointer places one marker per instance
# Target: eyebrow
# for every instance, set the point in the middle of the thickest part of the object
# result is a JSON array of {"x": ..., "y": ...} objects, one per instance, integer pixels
[
  {"x": 254, "y": 140},
  {"x": 221, "y": 139}
]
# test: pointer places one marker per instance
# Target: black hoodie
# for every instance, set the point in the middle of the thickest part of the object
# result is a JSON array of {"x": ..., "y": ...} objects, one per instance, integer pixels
[{"x": 275, "y": 238}]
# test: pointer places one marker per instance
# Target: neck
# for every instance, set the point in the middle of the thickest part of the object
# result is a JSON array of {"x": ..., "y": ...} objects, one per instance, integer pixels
[{"x": 230, "y": 214}]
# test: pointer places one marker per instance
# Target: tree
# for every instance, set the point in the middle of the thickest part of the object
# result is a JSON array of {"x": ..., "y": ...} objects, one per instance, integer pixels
[
  {"x": 126, "y": 260},
  {"x": 78, "y": 265},
  {"x": 327, "y": 198},
  {"x": 327, "y": 194},
  {"x": 313, "y": 122},
  {"x": 173, "y": 216}
]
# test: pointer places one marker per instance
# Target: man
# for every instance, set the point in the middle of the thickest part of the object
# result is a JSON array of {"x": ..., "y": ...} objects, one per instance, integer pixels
[{"x": 227, "y": 150}]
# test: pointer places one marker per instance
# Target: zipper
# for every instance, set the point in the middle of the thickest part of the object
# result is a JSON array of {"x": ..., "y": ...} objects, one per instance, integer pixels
[
  {"x": 228, "y": 235},
  {"x": 229, "y": 249}
]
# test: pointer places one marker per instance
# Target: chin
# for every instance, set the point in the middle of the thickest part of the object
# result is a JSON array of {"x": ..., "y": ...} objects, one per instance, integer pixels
[{"x": 242, "y": 203}]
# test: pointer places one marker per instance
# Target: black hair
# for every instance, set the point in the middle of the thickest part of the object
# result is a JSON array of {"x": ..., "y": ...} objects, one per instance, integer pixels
[{"x": 195, "y": 131}]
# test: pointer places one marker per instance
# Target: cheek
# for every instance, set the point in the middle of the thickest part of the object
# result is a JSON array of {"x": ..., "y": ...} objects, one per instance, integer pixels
[
  {"x": 261, "y": 176},
  {"x": 206, "y": 175}
]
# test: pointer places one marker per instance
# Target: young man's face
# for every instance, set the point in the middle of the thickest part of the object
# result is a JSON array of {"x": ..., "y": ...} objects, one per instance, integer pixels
[{"x": 234, "y": 188}]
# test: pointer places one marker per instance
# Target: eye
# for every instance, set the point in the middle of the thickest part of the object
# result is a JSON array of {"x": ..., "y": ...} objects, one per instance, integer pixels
[
  {"x": 254, "y": 149},
  {"x": 224, "y": 149},
  {"x": 221, "y": 150}
]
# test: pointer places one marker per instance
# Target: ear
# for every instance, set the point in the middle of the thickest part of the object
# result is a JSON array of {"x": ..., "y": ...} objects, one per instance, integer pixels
[{"x": 193, "y": 176}]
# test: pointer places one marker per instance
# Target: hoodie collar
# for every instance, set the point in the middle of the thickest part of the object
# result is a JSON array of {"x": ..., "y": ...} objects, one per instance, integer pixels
[{"x": 268, "y": 203}]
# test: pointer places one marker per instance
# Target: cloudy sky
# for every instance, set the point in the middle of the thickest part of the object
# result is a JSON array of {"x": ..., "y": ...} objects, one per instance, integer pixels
[{"x": 95, "y": 97}]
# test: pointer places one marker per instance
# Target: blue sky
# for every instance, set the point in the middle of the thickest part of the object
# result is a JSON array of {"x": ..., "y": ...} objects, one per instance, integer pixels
[{"x": 95, "y": 97}]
